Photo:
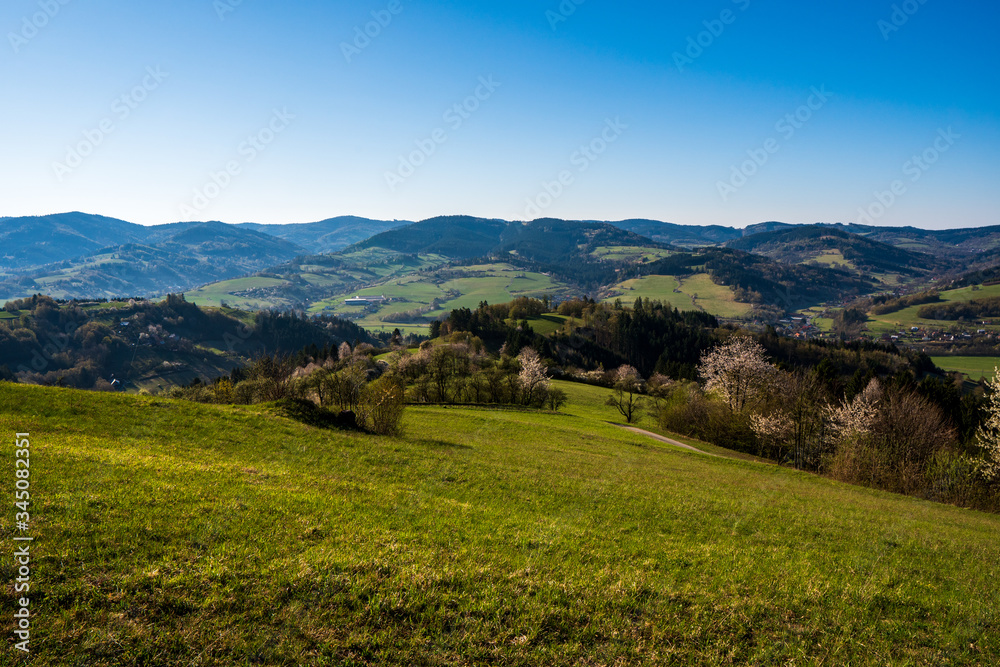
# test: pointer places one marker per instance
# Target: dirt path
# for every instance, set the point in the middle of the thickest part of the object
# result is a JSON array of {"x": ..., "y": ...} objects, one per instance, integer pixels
[{"x": 661, "y": 438}]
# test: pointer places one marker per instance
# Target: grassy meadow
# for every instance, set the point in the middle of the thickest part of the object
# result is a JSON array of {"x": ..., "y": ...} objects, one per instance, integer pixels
[
  {"x": 696, "y": 292},
  {"x": 907, "y": 317},
  {"x": 974, "y": 367},
  {"x": 172, "y": 533},
  {"x": 439, "y": 293}
]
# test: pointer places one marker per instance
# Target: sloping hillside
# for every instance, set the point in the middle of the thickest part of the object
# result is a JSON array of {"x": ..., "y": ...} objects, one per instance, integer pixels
[
  {"x": 327, "y": 235},
  {"x": 174, "y": 534},
  {"x": 35, "y": 241},
  {"x": 172, "y": 258},
  {"x": 458, "y": 237},
  {"x": 824, "y": 245}
]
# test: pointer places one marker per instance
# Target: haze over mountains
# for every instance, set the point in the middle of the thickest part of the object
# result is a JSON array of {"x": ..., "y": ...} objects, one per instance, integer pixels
[{"x": 77, "y": 255}]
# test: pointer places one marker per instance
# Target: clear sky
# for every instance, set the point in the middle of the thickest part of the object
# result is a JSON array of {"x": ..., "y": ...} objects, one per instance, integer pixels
[{"x": 701, "y": 112}]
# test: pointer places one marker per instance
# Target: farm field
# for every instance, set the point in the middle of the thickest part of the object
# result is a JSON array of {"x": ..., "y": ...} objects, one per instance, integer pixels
[
  {"x": 438, "y": 293},
  {"x": 658, "y": 288},
  {"x": 631, "y": 253},
  {"x": 974, "y": 367},
  {"x": 715, "y": 299},
  {"x": 832, "y": 258},
  {"x": 225, "y": 291},
  {"x": 907, "y": 317},
  {"x": 181, "y": 533}
]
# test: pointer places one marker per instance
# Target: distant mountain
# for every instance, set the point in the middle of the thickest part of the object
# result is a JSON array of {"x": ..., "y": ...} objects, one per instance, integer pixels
[
  {"x": 763, "y": 281},
  {"x": 553, "y": 241},
  {"x": 80, "y": 255},
  {"x": 36, "y": 241},
  {"x": 172, "y": 258},
  {"x": 327, "y": 236},
  {"x": 832, "y": 246},
  {"x": 686, "y": 236},
  {"x": 942, "y": 243},
  {"x": 71, "y": 255},
  {"x": 458, "y": 237}
]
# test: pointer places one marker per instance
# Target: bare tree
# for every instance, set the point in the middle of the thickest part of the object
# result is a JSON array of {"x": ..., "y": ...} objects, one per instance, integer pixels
[
  {"x": 738, "y": 370},
  {"x": 627, "y": 394}
]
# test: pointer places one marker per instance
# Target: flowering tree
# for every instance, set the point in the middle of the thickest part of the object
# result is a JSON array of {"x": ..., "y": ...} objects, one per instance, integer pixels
[
  {"x": 532, "y": 378},
  {"x": 856, "y": 417},
  {"x": 989, "y": 432},
  {"x": 738, "y": 370}
]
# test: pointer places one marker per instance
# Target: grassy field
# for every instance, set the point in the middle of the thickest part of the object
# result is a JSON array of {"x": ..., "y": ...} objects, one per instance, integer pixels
[
  {"x": 216, "y": 293},
  {"x": 696, "y": 292},
  {"x": 659, "y": 288},
  {"x": 630, "y": 253},
  {"x": 906, "y": 318},
  {"x": 548, "y": 323},
  {"x": 832, "y": 257},
  {"x": 176, "y": 534},
  {"x": 715, "y": 299},
  {"x": 439, "y": 293},
  {"x": 974, "y": 367}
]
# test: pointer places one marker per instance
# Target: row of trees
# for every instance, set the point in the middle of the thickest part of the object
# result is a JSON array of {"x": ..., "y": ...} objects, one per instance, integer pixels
[
  {"x": 886, "y": 435},
  {"x": 356, "y": 391},
  {"x": 461, "y": 371}
]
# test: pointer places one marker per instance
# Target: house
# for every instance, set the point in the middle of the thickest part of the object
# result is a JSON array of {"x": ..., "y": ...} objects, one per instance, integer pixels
[{"x": 357, "y": 301}]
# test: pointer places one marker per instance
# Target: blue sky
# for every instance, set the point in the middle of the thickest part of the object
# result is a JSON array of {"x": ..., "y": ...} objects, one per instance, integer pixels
[{"x": 718, "y": 112}]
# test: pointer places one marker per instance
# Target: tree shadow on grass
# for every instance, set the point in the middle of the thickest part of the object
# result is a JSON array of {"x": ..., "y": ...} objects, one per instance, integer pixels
[
  {"x": 427, "y": 442},
  {"x": 310, "y": 414}
]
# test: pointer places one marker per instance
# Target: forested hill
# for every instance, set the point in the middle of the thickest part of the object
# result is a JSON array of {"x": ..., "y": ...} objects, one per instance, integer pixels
[
  {"x": 823, "y": 244},
  {"x": 760, "y": 280}
]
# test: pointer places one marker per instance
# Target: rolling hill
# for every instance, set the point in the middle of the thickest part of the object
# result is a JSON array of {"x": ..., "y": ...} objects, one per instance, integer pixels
[
  {"x": 830, "y": 246},
  {"x": 76, "y": 255},
  {"x": 26, "y": 243},
  {"x": 329, "y": 235},
  {"x": 171, "y": 258},
  {"x": 175, "y": 533}
]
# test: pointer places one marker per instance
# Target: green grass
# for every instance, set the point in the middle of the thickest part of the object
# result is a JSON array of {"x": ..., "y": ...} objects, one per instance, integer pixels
[
  {"x": 176, "y": 534},
  {"x": 464, "y": 287},
  {"x": 630, "y": 253},
  {"x": 658, "y": 288},
  {"x": 715, "y": 299},
  {"x": 216, "y": 293},
  {"x": 974, "y": 367},
  {"x": 832, "y": 257},
  {"x": 548, "y": 323},
  {"x": 907, "y": 317},
  {"x": 696, "y": 292}
]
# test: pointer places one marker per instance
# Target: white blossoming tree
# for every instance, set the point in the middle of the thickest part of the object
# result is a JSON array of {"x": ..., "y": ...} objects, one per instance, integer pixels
[
  {"x": 532, "y": 378},
  {"x": 989, "y": 432},
  {"x": 738, "y": 370},
  {"x": 856, "y": 417}
]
